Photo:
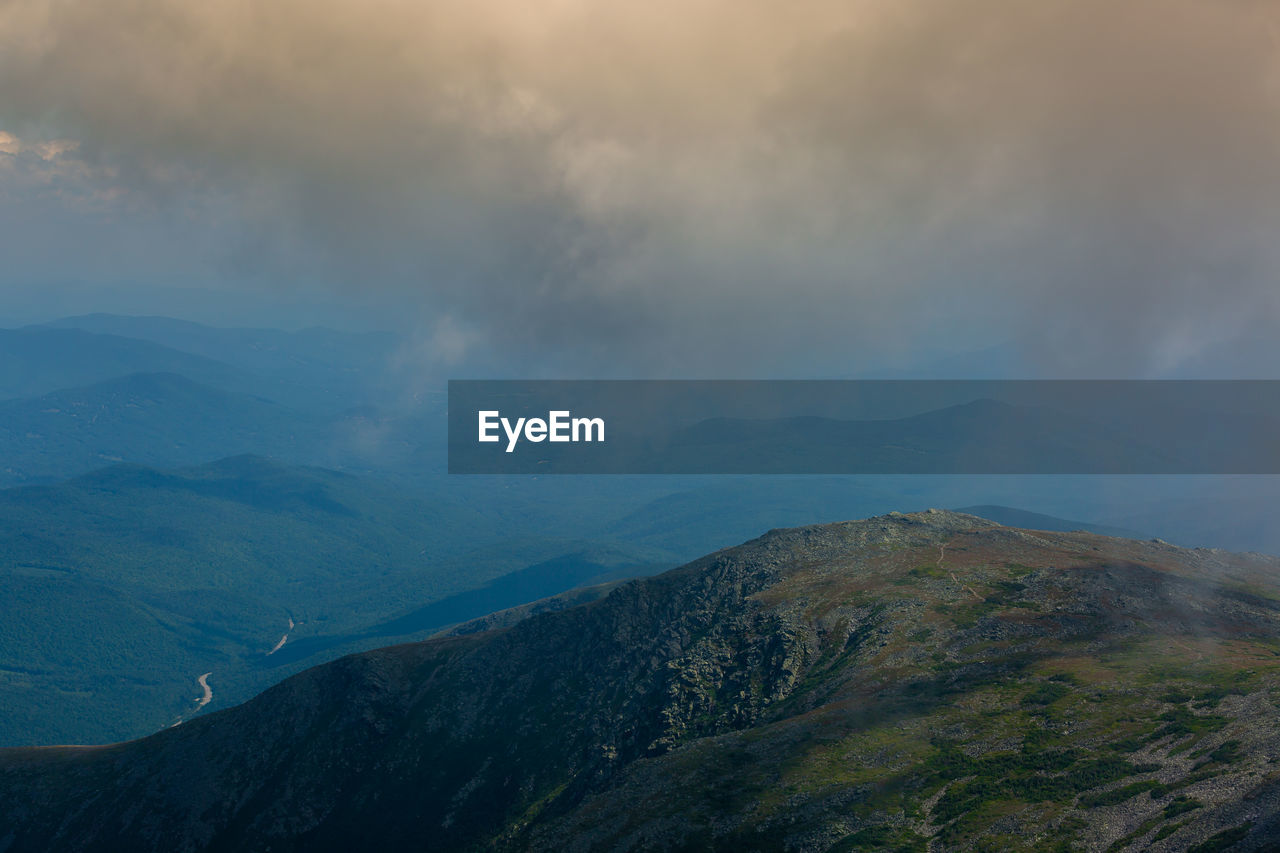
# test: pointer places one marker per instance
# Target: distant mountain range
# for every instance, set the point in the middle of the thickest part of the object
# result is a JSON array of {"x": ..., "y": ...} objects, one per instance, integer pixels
[
  {"x": 988, "y": 436},
  {"x": 908, "y": 682},
  {"x": 167, "y": 419},
  {"x": 159, "y": 418},
  {"x": 983, "y": 437},
  {"x": 336, "y": 364},
  {"x": 83, "y": 392},
  {"x": 34, "y": 362},
  {"x": 136, "y": 556},
  {"x": 1012, "y": 517}
]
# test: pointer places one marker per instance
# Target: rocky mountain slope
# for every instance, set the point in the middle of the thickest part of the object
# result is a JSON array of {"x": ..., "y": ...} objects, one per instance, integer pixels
[{"x": 910, "y": 682}]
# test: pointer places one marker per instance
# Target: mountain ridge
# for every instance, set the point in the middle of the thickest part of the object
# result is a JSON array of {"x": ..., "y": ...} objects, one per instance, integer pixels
[
  {"x": 701, "y": 707},
  {"x": 154, "y": 418},
  {"x": 38, "y": 361}
]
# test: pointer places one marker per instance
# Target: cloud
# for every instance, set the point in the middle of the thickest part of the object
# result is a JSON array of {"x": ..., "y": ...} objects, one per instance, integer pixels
[{"x": 703, "y": 187}]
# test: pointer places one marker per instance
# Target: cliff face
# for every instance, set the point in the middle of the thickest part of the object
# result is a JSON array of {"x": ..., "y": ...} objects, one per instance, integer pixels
[{"x": 928, "y": 681}]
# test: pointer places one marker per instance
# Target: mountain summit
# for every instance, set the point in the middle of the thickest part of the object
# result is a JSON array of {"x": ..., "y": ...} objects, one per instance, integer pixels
[{"x": 931, "y": 681}]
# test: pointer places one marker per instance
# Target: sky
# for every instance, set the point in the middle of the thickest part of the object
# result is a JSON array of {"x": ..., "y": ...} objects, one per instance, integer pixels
[{"x": 694, "y": 188}]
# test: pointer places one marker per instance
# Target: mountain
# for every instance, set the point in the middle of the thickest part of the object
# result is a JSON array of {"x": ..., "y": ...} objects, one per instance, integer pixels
[
  {"x": 38, "y": 361},
  {"x": 982, "y": 436},
  {"x": 148, "y": 418},
  {"x": 169, "y": 420},
  {"x": 1013, "y": 517},
  {"x": 259, "y": 349},
  {"x": 909, "y": 682},
  {"x": 721, "y": 511},
  {"x": 314, "y": 370},
  {"x": 1243, "y": 518},
  {"x": 578, "y": 572},
  {"x": 351, "y": 365}
]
